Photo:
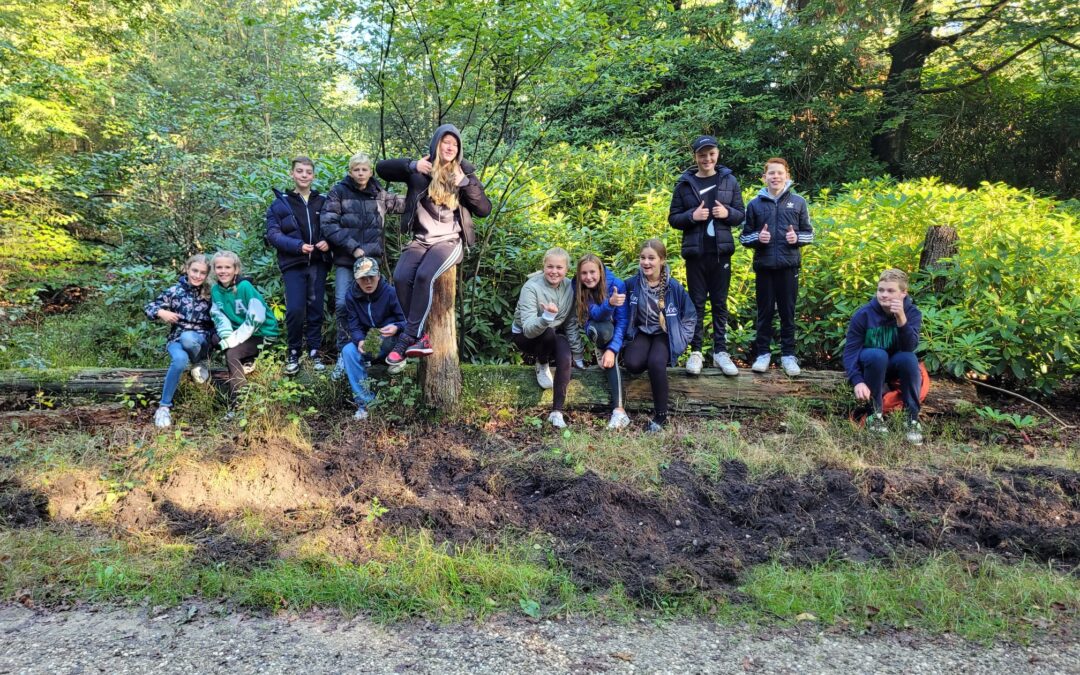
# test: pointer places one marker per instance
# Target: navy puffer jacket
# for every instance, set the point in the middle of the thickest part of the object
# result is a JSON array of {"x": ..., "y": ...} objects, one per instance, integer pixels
[
  {"x": 290, "y": 223},
  {"x": 354, "y": 217}
]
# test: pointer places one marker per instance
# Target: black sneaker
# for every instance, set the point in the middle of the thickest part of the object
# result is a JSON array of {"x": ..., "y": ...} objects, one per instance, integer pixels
[
  {"x": 292, "y": 362},
  {"x": 421, "y": 347}
]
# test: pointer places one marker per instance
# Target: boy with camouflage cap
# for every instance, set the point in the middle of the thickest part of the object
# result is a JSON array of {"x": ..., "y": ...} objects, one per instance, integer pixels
[{"x": 370, "y": 303}]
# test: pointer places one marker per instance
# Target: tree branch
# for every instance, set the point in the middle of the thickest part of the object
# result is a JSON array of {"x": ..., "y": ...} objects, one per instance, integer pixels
[
  {"x": 322, "y": 119},
  {"x": 983, "y": 74}
]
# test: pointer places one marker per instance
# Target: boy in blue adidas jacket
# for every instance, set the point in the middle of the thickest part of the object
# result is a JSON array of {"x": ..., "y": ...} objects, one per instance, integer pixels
[{"x": 777, "y": 225}]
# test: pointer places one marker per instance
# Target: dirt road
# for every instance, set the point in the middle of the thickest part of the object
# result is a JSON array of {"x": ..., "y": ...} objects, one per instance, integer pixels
[{"x": 202, "y": 639}]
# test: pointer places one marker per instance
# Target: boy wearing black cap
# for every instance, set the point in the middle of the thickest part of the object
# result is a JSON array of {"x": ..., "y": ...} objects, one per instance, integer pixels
[
  {"x": 369, "y": 303},
  {"x": 706, "y": 205}
]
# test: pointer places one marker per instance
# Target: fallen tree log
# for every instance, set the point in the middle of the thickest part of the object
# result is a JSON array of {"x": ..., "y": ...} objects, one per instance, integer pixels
[
  {"x": 101, "y": 414},
  {"x": 515, "y": 387}
]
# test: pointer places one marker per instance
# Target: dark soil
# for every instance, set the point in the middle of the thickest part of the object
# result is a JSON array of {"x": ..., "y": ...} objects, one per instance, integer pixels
[
  {"x": 20, "y": 507},
  {"x": 465, "y": 485}
]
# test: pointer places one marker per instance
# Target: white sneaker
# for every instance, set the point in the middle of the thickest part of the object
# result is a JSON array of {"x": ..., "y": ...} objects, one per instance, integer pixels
[
  {"x": 339, "y": 370},
  {"x": 393, "y": 368},
  {"x": 360, "y": 414},
  {"x": 249, "y": 368},
  {"x": 790, "y": 365},
  {"x": 316, "y": 361},
  {"x": 557, "y": 420},
  {"x": 162, "y": 418},
  {"x": 543, "y": 376},
  {"x": 619, "y": 420},
  {"x": 200, "y": 372},
  {"x": 694, "y": 363},
  {"x": 722, "y": 360},
  {"x": 761, "y": 363}
]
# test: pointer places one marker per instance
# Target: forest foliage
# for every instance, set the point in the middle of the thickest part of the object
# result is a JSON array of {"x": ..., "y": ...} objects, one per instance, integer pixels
[{"x": 133, "y": 133}]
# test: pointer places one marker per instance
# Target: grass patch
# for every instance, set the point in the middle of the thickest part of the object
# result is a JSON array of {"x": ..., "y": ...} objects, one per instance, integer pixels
[
  {"x": 634, "y": 459},
  {"x": 412, "y": 576},
  {"x": 979, "y": 601},
  {"x": 407, "y": 576}
]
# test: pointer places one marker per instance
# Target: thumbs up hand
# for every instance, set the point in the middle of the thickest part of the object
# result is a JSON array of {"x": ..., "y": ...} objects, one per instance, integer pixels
[
  {"x": 765, "y": 237},
  {"x": 617, "y": 299},
  {"x": 791, "y": 237},
  {"x": 700, "y": 214},
  {"x": 719, "y": 210}
]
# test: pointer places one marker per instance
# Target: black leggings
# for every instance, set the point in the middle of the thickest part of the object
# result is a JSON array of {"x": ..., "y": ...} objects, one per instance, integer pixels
[
  {"x": 414, "y": 278},
  {"x": 600, "y": 333},
  {"x": 244, "y": 352},
  {"x": 550, "y": 347},
  {"x": 651, "y": 352}
]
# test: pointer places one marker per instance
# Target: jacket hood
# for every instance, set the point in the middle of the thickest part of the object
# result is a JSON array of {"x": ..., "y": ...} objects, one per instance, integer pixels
[
  {"x": 691, "y": 173},
  {"x": 765, "y": 194},
  {"x": 372, "y": 186},
  {"x": 438, "y": 136}
]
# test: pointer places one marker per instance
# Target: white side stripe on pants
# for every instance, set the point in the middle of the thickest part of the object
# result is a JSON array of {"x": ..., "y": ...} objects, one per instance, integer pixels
[{"x": 450, "y": 261}]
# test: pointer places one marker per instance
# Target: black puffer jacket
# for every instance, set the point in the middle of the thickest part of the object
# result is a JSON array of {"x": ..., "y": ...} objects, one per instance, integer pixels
[
  {"x": 471, "y": 198},
  {"x": 690, "y": 191},
  {"x": 780, "y": 213},
  {"x": 354, "y": 218}
]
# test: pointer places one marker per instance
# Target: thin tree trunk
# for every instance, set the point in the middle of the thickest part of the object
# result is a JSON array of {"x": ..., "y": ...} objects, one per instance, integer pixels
[{"x": 440, "y": 373}]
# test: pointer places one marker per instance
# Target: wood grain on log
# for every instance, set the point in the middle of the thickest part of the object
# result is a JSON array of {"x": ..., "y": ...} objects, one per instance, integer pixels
[{"x": 440, "y": 373}]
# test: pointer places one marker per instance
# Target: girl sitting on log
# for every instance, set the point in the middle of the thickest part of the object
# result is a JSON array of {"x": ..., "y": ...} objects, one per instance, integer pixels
[
  {"x": 241, "y": 317},
  {"x": 600, "y": 306},
  {"x": 442, "y": 197},
  {"x": 545, "y": 326},
  {"x": 661, "y": 323},
  {"x": 186, "y": 307}
]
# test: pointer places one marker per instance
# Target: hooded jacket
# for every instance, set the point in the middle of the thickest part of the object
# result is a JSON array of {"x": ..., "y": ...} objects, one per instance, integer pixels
[
  {"x": 188, "y": 302},
  {"x": 530, "y": 319},
  {"x": 354, "y": 218},
  {"x": 290, "y": 223},
  {"x": 365, "y": 311},
  {"x": 786, "y": 210},
  {"x": 680, "y": 315},
  {"x": 605, "y": 312},
  {"x": 690, "y": 191},
  {"x": 471, "y": 198},
  {"x": 874, "y": 327}
]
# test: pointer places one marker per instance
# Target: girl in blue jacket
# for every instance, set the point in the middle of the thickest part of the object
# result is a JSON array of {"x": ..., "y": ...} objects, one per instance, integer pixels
[
  {"x": 660, "y": 327},
  {"x": 600, "y": 303},
  {"x": 186, "y": 307}
]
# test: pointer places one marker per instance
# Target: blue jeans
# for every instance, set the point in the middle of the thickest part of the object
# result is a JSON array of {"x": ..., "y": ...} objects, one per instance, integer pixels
[
  {"x": 343, "y": 278},
  {"x": 878, "y": 368},
  {"x": 357, "y": 374},
  {"x": 191, "y": 346}
]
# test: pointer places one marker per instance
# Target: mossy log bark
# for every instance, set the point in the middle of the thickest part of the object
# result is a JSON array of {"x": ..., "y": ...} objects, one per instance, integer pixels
[{"x": 515, "y": 387}]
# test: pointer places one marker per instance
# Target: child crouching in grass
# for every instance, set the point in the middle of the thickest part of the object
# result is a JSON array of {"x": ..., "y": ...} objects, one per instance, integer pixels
[
  {"x": 242, "y": 319},
  {"x": 369, "y": 303},
  {"x": 881, "y": 342},
  {"x": 186, "y": 307},
  {"x": 546, "y": 327}
]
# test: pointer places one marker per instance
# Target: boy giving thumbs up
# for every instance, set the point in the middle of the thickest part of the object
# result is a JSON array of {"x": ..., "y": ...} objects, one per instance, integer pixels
[{"x": 777, "y": 225}]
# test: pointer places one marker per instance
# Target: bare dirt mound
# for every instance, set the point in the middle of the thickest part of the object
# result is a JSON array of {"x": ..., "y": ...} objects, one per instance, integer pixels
[
  {"x": 698, "y": 533},
  {"x": 21, "y": 507}
]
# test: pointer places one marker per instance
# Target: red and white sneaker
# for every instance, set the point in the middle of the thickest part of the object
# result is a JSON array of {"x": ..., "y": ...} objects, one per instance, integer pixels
[
  {"x": 395, "y": 360},
  {"x": 421, "y": 347}
]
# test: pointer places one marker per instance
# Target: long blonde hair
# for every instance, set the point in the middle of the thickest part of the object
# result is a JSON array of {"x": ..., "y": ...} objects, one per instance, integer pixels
[
  {"x": 443, "y": 189},
  {"x": 228, "y": 255}
]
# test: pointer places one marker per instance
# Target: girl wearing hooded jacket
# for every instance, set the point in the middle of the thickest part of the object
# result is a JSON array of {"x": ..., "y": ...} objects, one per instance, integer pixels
[
  {"x": 352, "y": 220},
  {"x": 600, "y": 305},
  {"x": 186, "y": 307},
  {"x": 661, "y": 324},
  {"x": 442, "y": 197}
]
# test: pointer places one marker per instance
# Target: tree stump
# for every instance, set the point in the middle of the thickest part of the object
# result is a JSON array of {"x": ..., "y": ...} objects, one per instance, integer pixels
[
  {"x": 941, "y": 242},
  {"x": 440, "y": 373}
]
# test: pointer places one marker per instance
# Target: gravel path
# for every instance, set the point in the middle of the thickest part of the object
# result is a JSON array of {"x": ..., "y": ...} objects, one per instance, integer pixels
[{"x": 193, "y": 639}]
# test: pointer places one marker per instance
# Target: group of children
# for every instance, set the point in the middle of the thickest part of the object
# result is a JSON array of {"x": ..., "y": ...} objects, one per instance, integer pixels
[{"x": 649, "y": 320}]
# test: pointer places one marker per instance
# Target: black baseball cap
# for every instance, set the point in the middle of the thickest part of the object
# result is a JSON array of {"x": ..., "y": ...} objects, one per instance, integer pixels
[{"x": 704, "y": 142}]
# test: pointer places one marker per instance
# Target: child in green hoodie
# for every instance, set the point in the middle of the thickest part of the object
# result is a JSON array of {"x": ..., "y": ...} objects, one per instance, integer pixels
[{"x": 241, "y": 317}]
